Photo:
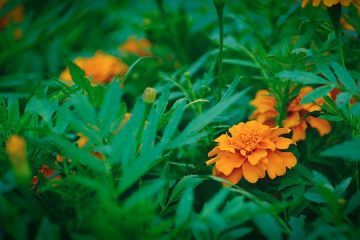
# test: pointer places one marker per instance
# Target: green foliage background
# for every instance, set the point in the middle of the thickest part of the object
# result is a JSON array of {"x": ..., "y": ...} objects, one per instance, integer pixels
[{"x": 154, "y": 183}]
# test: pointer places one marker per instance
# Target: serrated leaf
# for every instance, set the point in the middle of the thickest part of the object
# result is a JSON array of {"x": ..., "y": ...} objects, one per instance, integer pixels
[
  {"x": 302, "y": 77},
  {"x": 109, "y": 108},
  {"x": 345, "y": 78},
  {"x": 317, "y": 93}
]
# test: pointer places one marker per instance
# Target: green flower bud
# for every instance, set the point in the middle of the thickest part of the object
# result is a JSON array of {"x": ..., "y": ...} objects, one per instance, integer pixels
[{"x": 149, "y": 95}]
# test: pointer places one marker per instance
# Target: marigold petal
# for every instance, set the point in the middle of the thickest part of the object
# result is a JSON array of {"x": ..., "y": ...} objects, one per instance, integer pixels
[
  {"x": 319, "y": 124},
  {"x": 234, "y": 177},
  {"x": 211, "y": 161},
  {"x": 224, "y": 143},
  {"x": 214, "y": 151},
  {"x": 299, "y": 131},
  {"x": 288, "y": 158},
  {"x": 228, "y": 162},
  {"x": 256, "y": 156},
  {"x": 283, "y": 143},
  {"x": 292, "y": 120},
  {"x": 304, "y": 3},
  {"x": 279, "y": 131},
  {"x": 250, "y": 172},
  {"x": 275, "y": 166}
]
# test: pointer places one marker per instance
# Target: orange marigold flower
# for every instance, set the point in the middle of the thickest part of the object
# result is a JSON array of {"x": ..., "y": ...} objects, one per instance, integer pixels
[
  {"x": 101, "y": 68},
  {"x": 329, "y": 3},
  {"x": 139, "y": 47},
  {"x": 251, "y": 150},
  {"x": 296, "y": 119}
]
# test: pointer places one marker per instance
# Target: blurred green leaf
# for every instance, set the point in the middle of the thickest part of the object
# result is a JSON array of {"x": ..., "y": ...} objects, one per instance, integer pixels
[{"x": 347, "y": 150}]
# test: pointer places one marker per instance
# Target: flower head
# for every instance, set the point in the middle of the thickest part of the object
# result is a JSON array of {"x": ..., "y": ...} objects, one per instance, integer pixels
[
  {"x": 296, "y": 119},
  {"x": 101, "y": 68},
  {"x": 139, "y": 47},
  {"x": 251, "y": 150},
  {"x": 329, "y": 3}
]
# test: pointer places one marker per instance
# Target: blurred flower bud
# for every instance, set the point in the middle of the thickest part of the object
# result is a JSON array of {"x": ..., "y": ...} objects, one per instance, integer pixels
[
  {"x": 16, "y": 150},
  {"x": 149, "y": 95},
  {"x": 219, "y": 3}
]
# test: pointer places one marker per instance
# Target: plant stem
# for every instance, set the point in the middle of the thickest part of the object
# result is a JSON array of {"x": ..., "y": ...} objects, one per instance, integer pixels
[
  {"x": 220, "y": 14},
  {"x": 335, "y": 14}
]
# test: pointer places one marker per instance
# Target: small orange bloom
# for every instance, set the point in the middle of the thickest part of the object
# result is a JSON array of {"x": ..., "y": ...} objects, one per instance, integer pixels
[
  {"x": 329, "y": 3},
  {"x": 296, "y": 119},
  {"x": 250, "y": 151},
  {"x": 101, "y": 68},
  {"x": 346, "y": 25},
  {"x": 139, "y": 47},
  {"x": 16, "y": 15}
]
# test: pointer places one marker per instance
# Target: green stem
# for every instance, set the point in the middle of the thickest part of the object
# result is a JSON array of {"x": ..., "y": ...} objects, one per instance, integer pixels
[
  {"x": 335, "y": 14},
  {"x": 220, "y": 14}
]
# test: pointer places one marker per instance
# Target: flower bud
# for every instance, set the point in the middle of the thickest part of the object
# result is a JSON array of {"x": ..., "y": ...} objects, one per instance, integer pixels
[
  {"x": 219, "y": 3},
  {"x": 149, "y": 95},
  {"x": 16, "y": 151}
]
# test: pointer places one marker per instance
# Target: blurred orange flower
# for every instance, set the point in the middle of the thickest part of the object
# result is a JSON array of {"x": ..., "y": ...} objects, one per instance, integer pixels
[
  {"x": 16, "y": 15},
  {"x": 139, "y": 47},
  {"x": 101, "y": 68},
  {"x": 329, "y": 3},
  {"x": 251, "y": 151},
  {"x": 297, "y": 119},
  {"x": 346, "y": 25}
]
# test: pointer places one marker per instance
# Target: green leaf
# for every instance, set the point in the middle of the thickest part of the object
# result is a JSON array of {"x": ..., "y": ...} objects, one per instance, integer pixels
[
  {"x": 268, "y": 226},
  {"x": 355, "y": 109},
  {"x": 200, "y": 230},
  {"x": 236, "y": 234},
  {"x": 317, "y": 93},
  {"x": 132, "y": 66},
  {"x": 189, "y": 134},
  {"x": 187, "y": 182},
  {"x": 345, "y": 78},
  {"x": 184, "y": 208},
  {"x": 302, "y": 77},
  {"x": 13, "y": 111},
  {"x": 343, "y": 99},
  {"x": 353, "y": 203},
  {"x": 297, "y": 225},
  {"x": 78, "y": 76},
  {"x": 109, "y": 108},
  {"x": 348, "y": 150},
  {"x": 314, "y": 197},
  {"x": 342, "y": 186},
  {"x": 48, "y": 230},
  {"x": 215, "y": 202}
]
